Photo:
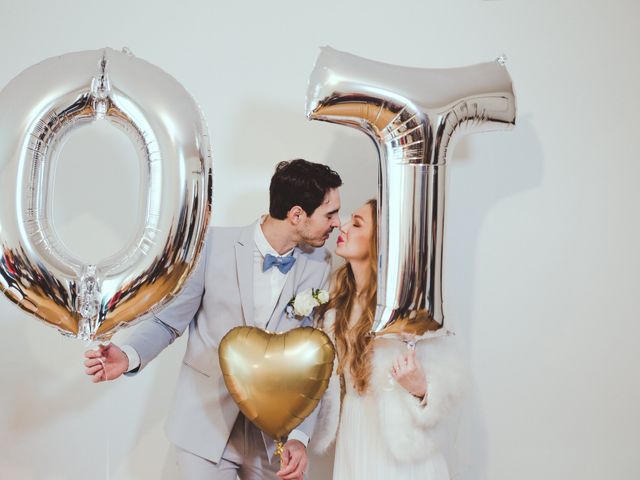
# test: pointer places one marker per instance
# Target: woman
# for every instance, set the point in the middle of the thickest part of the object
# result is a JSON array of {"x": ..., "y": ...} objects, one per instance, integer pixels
[{"x": 393, "y": 399}]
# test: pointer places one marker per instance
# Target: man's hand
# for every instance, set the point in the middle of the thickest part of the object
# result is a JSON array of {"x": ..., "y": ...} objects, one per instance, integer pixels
[
  {"x": 408, "y": 372},
  {"x": 106, "y": 363},
  {"x": 294, "y": 461}
]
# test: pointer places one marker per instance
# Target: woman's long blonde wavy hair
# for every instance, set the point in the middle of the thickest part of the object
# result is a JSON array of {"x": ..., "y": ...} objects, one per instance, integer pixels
[{"x": 354, "y": 344}]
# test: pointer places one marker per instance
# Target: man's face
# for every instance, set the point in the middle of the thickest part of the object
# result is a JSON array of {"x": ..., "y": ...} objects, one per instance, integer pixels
[{"x": 316, "y": 229}]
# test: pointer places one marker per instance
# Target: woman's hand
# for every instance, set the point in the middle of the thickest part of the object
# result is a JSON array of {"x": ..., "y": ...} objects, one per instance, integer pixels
[{"x": 408, "y": 372}]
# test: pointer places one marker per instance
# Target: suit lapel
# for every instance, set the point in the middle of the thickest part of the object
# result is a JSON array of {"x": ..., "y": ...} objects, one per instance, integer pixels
[
  {"x": 244, "y": 267},
  {"x": 289, "y": 289}
]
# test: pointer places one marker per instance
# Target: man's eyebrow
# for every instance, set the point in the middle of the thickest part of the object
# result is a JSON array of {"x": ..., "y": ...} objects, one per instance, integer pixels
[{"x": 333, "y": 211}]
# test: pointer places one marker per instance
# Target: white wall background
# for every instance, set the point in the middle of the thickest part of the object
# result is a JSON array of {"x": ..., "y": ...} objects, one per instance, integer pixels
[{"x": 542, "y": 231}]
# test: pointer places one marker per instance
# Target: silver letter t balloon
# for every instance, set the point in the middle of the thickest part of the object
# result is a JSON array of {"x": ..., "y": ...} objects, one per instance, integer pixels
[{"x": 414, "y": 116}]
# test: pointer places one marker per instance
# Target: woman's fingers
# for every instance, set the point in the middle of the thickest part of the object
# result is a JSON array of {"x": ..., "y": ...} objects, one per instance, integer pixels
[
  {"x": 405, "y": 365},
  {"x": 399, "y": 364},
  {"x": 394, "y": 368},
  {"x": 411, "y": 360}
]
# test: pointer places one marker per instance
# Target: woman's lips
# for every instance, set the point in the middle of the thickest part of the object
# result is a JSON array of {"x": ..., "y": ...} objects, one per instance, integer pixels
[{"x": 340, "y": 240}]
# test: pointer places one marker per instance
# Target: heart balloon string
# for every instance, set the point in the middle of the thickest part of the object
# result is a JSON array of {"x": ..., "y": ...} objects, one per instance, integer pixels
[{"x": 279, "y": 452}]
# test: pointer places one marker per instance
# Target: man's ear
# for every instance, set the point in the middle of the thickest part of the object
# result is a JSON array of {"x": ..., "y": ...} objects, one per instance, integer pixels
[{"x": 296, "y": 214}]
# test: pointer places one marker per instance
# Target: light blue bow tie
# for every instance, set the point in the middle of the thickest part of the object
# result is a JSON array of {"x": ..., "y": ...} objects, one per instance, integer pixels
[{"x": 284, "y": 264}]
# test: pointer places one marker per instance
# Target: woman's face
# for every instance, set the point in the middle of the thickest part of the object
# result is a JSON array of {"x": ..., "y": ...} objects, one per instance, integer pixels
[{"x": 355, "y": 235}]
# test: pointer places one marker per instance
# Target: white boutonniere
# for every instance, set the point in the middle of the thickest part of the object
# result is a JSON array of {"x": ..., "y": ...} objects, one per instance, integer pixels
[{"x": 302, "y": 304}]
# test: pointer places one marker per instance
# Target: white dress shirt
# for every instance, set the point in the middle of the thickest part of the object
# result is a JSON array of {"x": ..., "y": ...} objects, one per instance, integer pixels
[{"x": 267, "y": 286}]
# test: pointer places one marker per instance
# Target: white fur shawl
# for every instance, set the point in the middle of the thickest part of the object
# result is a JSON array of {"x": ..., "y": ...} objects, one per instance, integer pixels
[{"x": 411, "y": 428}]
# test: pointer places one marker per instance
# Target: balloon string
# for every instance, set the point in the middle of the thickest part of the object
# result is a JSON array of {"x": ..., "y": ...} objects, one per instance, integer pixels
[
  {"x": 108, "y": 420},
  {"x": 108, "y": 446},
  {"x": 279, "y": 451},
  {"x": 92, "y": 345},
  {"x": 104, "y": 369}
]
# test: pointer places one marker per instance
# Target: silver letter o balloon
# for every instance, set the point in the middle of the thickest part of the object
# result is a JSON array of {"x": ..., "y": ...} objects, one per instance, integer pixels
[{"x": 38, "y": 109}]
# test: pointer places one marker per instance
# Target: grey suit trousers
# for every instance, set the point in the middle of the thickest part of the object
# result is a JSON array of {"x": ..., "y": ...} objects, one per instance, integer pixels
[{"x": 244, "y": 457}]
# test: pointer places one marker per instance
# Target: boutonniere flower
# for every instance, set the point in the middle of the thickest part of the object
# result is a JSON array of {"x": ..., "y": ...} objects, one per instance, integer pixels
[{"x": 302, "y": 304}]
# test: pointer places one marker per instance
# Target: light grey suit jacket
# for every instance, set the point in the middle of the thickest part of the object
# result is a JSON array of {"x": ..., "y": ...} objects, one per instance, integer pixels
[{"x": 216, "y": 298}]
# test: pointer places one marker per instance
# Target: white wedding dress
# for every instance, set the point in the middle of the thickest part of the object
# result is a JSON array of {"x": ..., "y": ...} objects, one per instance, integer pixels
[
  {"x": 362, "y": 449},
  {"x": 387, "y": 433}
]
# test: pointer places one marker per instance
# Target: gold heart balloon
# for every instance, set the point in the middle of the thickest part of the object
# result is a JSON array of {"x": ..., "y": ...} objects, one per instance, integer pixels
[{"x": 277, "y": 379}]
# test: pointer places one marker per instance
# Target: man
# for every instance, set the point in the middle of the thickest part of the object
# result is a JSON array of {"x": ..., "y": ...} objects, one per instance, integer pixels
[{"x": 246, "y": 276}]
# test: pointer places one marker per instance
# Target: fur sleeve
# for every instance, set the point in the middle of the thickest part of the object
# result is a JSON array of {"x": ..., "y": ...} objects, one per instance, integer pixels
[
  {"x": 446, "y": 381},
  {"x": 412, "y": 428}
]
